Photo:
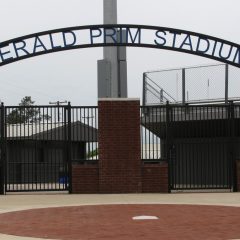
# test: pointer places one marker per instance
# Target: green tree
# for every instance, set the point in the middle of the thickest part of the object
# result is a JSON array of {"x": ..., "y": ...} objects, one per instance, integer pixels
[{"x": 26, "y": 113}]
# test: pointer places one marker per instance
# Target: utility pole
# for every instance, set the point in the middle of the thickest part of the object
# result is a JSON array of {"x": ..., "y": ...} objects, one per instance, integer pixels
[{"x": 58, "y": 103}]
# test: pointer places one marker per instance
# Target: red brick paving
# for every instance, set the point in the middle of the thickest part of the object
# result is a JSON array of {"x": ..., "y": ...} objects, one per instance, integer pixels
[{"x": 115, "y": 222}]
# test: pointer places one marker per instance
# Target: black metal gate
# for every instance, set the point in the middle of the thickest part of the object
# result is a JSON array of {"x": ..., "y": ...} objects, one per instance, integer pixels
[
  {"x": 36, "y": 148},
  {"x": 200, "y": 164},
  {"x": 199, "y": 142},
  {"x": 202, "y": 147}
]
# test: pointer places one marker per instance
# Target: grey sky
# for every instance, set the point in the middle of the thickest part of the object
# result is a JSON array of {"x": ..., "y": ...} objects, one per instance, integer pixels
[{"x": 72, "y": 75}]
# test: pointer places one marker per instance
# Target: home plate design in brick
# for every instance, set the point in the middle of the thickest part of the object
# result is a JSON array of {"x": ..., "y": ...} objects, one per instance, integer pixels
[{"x": 115, "y": 222}]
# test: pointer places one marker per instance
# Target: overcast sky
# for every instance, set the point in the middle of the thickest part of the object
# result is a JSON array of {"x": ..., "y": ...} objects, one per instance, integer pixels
[{"x": 72, "y": 75}]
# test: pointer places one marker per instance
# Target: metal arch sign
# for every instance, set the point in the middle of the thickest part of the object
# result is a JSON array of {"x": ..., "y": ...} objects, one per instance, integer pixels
[{"x": 119, "y": 35}]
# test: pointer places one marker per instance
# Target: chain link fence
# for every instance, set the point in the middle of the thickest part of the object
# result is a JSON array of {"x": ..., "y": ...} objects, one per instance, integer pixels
[{"x": 219, "y": 82}]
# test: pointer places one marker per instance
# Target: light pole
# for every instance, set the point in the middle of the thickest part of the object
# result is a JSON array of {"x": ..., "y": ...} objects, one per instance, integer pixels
[{"x": 112, "y": 70}]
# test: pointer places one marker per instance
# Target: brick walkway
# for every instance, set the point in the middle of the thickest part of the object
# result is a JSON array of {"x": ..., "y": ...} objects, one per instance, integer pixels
[{"x": 115, "y": 222}]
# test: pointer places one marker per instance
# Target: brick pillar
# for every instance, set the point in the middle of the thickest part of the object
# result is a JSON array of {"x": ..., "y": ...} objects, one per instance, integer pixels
[
  {"x": 238, "y": 175},
  {"x": 119, "y": 146}
]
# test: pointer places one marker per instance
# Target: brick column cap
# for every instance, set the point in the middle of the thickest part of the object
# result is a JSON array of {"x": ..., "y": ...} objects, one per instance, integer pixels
[{"x": 118, "y": 99}]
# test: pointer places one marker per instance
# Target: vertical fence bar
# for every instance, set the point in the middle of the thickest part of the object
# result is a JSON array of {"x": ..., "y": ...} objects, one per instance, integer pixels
[
  {"x": 5, "y": 152},
  {"x": 233, "y": 159},
  {"x": 65, "y": 149},
  {"x": 2, "y": 160},
  {"x": 183, "y": 86},
  {"x": 144, "y": 89},
  {"x": 168, "y": 154},
  {"x": 226, "y": 82},
  {"x": 69, "y": 148},
  {"x": 229, "y": 157},
  {"x": 229, "y": 148},
  {"x": 141, "y": 131}
]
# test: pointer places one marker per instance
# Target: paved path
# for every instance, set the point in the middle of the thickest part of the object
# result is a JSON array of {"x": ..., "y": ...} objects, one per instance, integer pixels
[{"x": 18, "y": 202}]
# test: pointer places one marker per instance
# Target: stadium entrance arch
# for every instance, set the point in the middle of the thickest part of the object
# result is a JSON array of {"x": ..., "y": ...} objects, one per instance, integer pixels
[{"x": 120, "y": 35}]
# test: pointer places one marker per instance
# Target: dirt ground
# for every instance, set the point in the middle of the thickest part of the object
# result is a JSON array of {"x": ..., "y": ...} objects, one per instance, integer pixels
[{"x": 115, "y": 222}]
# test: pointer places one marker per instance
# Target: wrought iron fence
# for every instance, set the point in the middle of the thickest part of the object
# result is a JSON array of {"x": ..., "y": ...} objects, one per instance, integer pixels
[
  {"x": 40, "y": 143},
  {"x": 199, "y": 142},
  {"x": 86, "y": 132},
  {"x": 152, "y": 132}
]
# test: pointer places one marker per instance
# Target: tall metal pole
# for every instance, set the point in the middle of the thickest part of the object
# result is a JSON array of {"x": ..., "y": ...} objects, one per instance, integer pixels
[
  {"x": 111, "y": 53},
  {"x": 112, "y": 70},
  {"x": 110, "y": 11}
]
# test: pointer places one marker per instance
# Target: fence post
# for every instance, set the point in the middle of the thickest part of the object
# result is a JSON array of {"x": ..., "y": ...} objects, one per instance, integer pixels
[
  {"x": 226, "y": 82},
  {"x": 183, "y": 86},
  {"x": 232, "y": 148},
  {"x": 168, "y": 147},
  {"x": 69, "y": 146},
  {"x": 144, "y": 89},
  {"x": 2, "y": 159}
]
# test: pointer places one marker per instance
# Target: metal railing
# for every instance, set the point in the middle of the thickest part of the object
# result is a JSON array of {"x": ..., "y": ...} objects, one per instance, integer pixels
[{"x": 200, "y": 84}]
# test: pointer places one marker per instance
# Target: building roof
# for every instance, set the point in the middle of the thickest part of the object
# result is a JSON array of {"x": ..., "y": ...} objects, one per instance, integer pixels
[{"x": 51, "y": 132}]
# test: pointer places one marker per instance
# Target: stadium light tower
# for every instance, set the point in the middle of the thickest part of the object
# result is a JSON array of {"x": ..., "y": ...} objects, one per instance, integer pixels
[{"x": 112, "y": 70}]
